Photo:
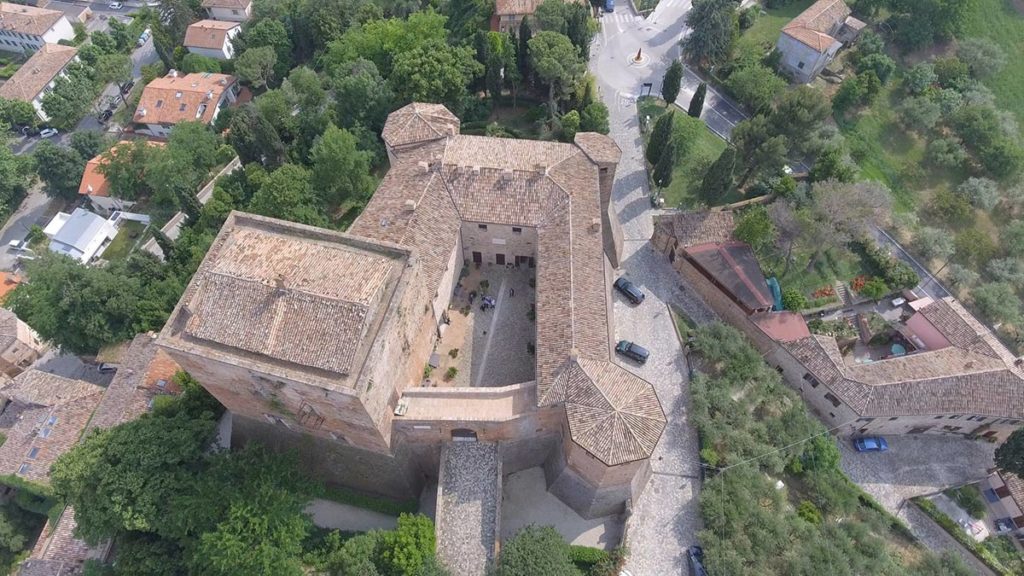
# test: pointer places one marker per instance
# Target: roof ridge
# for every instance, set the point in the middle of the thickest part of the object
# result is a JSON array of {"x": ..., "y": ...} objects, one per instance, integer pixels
[{"x": 291, "y": 289}]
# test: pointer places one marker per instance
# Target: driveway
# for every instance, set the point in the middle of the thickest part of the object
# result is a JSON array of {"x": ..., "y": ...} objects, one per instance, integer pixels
[
  {"x": 915, "y": 466},
  {"x": 34, "y": 209}
]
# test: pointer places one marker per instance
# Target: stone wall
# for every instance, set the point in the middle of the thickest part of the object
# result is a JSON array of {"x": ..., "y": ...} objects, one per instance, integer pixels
[{"x": 498, "y": 239}]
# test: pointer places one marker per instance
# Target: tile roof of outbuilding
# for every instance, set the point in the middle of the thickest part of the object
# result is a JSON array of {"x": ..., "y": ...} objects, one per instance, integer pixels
[
  {"x": 8, "y": 328},
  {"x": 419, "y": 122},
  {"x": 27, "y": 19},
  {"x": 174, "y": 99},
  {"x": 692, "y": 228},
  {"x": 210, "y": 34},
  {"x": 37, "y": 72}
]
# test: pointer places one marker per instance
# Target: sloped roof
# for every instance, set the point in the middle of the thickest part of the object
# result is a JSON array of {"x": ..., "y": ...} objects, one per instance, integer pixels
[
  {"x": 238, "y": 4},
  {"x": 692, "y": 228},
  {"x": 736, "y": 270},
  {"x": 38, "y": 388},
  {"x": 419, "y": 122},
  {"x": 94, "y": 182},
  {"x": 28, "y": 19},
  {"x": 80, "y": 229},
  {"x": 210, "y": 34},
  {"x": 37, "y": 72},
  {"x": 174, "y": 99},
  {"x": 612, "y": 414},
  {"x": 814, "y": 26},
  {"x": 8, "y": 328},
  {"x": 969, "y": 377}
]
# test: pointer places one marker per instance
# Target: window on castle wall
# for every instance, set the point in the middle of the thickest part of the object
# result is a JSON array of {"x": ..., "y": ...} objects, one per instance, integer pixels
[
  {"x": 308, "y": 417},
  {"x": 835, "y": 401}
]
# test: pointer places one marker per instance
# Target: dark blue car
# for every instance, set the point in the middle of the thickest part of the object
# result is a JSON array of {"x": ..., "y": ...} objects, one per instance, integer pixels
[
  {"x": 609, "y": 5},
  {"x": 871, "y": 444}
]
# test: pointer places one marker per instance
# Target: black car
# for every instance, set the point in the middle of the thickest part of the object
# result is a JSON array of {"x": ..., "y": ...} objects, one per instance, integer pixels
[
  {"x": 105, "y": 115},
  {"x": 127, "y": 88},
  {"x": 632, "y": 351},
  {"x": 696, "y": 556},
  {"x": 629, "y": 290}
]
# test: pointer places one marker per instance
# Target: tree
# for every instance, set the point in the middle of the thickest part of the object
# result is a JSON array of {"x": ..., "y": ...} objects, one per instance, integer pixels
[
  {"x": 919, "y": 77},
  {"x": 851, "y": 93},
  {"x": 341, "y": 171},
  {"x": 660, "y": 137},
  {"x": 571, "y": 19},
  {"x": 198, "y": 63},
  {"x": 18, "y": 113},
  {"x": 961, "y": 277},
  {"x": 287, "y": 193},
  {"x": 851, "y": 209},
  {"x": 755, "y": 228},
  {"x": 952, "y": 73},
  {"x": 523, "y": 58},
  {"x": 89, "y": 143},
  {"x": 881, "y": 64},
  {"x": 254, "y": 138},
  {"x": 919, "y": 22},
  {"x": 793, "y": 300},
  {"x": 1010, "y": 270},
  {"x": 594, "y": 118},
  {"x": 671, "y": 81},
  {"x": 1011, "y": 237},
  {"x": 363, "y": 97},
  {"x": 833, "y": 164},
  {"x": 557, "y": 63},
  {"x": 980, "y": 192},
  {"x": 798, "y": 115},
  {"x": 998, "y": 302},
  {"x": 16, "y": 172},
  {"x": 983, "y": 57},
  {"x": 697, "y": 102},
  {"x": 952, "y": 208},
  {"x": 406, "y": 550},
  {"x": 713, "y": 28},
  {"x": 934, "y": 243},
  {"x": 974, "y": 248},
  {"x": 946, "y": 153},
  {"x": 304, "y": 89},
  {"x": 763, "y": 152},
  {"x": 268, "y": 33},
  {"x": 257, "y": 537},
  {"x": 570, "y": 122},
  {"x": 536, "y": 550},
  {"x": 755, "y": 86},
  {"x": 125, "y": 167},
  {"x": 60, "y": 169},
  {"x": 920, "y": 113},
  {"x": 434, "y": 72},
  {"x": 116, "y": 68},
  {"x": 662, "y": 175},
  {"x": 71, "y": 97},
  {"x": 256, "y": 66},
  {"x": 718, "y": 180},
  {"x": 1010, "y": 454}
]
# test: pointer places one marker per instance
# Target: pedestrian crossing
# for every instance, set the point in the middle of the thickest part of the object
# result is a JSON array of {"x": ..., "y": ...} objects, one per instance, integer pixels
[{"x": 620, "y": 17}]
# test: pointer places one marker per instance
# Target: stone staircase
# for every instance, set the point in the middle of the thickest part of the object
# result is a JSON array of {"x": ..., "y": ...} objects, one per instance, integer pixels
[{"x": 843, "y": 293}]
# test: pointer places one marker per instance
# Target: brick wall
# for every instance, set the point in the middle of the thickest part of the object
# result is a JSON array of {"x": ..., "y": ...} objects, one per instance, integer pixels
[{"x": 498, "y": 239}]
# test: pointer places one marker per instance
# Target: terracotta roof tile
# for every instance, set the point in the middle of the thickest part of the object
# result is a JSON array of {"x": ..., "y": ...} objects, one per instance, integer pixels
[
  {"x": 815, "y": 26},
  {"x": 211, "y": 34},
  {"x": 37, "y": 72},
  {"x": 418, "y": 122},
  {"x": 28, "y": 19},
  {"x": 174, "y": 99}
]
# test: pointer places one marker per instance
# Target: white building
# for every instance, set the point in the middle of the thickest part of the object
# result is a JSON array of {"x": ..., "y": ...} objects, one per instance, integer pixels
[
  {"x": 811, "y": 40},
  {"x": 233, "y": 10},
  {"x": 28, "y": 28},
  {"x": 81, "y": 235},
  {"x": 37, "y": 76},
  {"x": 212, "y": 38}
]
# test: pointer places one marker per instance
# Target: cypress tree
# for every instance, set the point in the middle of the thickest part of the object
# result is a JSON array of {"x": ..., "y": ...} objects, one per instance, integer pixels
[
  {"x": 523, "y": 53},
  {"x": 670, "y": 83},
  {"x": 663, "y": 169},
  {"x": 164, "y": 242},
  {"x": 697, "y": 102},
  {"x": 718, "y": 180},
  {"x": 190, "y": 205},
  {"x": 660, "y": 137}
]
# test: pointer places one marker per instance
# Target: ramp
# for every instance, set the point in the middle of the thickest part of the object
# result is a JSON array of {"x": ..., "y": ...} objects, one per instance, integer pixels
[{"x": 468, "y": 506}]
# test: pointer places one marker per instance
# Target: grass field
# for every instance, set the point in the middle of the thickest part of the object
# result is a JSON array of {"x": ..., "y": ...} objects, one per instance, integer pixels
[
  {"x": 766, "y": 30},
  {"x": 125, "y": 240},
  {"x": 1000, "y": 22},
  {"x": 690, "y": 169}
]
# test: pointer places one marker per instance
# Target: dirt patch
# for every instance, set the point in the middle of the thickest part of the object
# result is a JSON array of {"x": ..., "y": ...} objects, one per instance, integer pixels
[
  {"x": 1018, "y": 5},
  {"x": 937, "y": 50}
]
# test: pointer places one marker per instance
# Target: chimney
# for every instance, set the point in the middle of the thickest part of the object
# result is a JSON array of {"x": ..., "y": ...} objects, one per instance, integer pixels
[
  {"x": 540, "y": 168},
  {"x": 410, "y": 204},
  {"x": 595, "y": 224},
  {"x": 172, "y": 73},
  {"x": 476, "y": 170},
  {"x": 279, "y": 284},
  {"x": 209, "y": 94},
  {"x": 89, "y": 188},
  {"x": 423, "y": 165},
  {"x": 142, "y": 111},
  {"x": 506, "y": 174}
]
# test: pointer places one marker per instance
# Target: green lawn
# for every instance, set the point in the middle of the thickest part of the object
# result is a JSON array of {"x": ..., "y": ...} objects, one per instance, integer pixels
[
  {"x": 126, "y": 239},
  {"x": 765, "y": 31},
  {"x": 690, "y": 170},
  {"x": 997, "y": 20}
]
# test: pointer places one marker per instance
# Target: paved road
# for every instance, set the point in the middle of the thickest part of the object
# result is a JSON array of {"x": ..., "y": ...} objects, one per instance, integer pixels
[
  {"x": 34, "y": 209},
  {"x": 930, "y": 285}
]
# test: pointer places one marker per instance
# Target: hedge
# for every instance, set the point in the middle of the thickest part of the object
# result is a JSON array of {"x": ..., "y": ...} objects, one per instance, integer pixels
[
  {"x": 366, "y": 501},
  {"x": 958, "y": 534}
]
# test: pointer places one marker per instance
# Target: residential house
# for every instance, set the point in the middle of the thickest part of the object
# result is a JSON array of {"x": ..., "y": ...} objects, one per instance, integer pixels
[
  {"x": 145, "y": 373},
  {"x": 96, "y": 187},
  {"x": 811, "y": 40},
  {"x": 195, "y": 97},
  {"x": 20, "y": 346},
  {"x": 948, "y": 375},
  {"x": 81, "y": 235},
  {"x": 27, "y": 28},
  {"x": 314, "y": 339},
  {"x": 509, "y": 14},
  {"x": 212, "y": 38},
  {"x": 232, "y": 10},
  {"x": 38, "y": 75},
  {"x": 43, "y": 417}
]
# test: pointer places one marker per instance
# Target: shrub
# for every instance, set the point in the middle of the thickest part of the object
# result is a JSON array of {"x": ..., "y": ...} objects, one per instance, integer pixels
[
  {"x": 808, "y": 511},
  {"x": 968, "y": 498},
  {"x": 951, "y": 208},
  {"x": 920, "y": 113},
  {"x": 982, "y": 56},
  {"x": 454, "y": 352},
  {"x": 946, "y": 153},
  {"x": 895, "y": 272},
  {"x": 980, "y": 192},
  {"x": 882, "y": 65},
  {"x": 919, "y": 78},
  {"x": 793, "y": 300},
  {"x": 952, "y": 73},
  {"x": 755, "y": 86},
  {"x": 451, "y": 373},
  {"x": 535, "y": 550},
  {"x": 586, "y": 557},
  {"x": 874, "y": 289}
]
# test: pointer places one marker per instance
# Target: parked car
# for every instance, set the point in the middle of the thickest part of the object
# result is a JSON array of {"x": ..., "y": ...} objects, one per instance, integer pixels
[
  {"x": 104, "y": 116},
  {"x": 48, "y": 132},
  {"x": 609, "y": 5},
  {"x": 29, "y": 131},
  {"x": 871, "y": 444},
  {"x": 632, "y": 351},
  {"x": 17, "y": 244},
  {"x": 143, "y": 38},
  {"x": 127, "y": 88},
  {"x": 629, "y": 290},
  {"x": 696, "y": 557},
  {"x": 116, "y": 5}
]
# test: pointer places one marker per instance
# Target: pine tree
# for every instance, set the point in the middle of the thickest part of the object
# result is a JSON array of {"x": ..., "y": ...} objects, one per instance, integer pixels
[
  {"x": 718, "y": 180},
  {"x": 660, "y": 137},
  {"x": 164, "y": 242},
  {"x": 191, "y": 206},
  {"x": 670, "y": 83},
  {"x": 663, "y": 169},
  {"x": 697, "y": 102}
]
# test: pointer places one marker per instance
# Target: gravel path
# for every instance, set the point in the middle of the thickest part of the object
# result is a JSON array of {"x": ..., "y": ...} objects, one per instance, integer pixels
[{"x": 468, "y": 506}]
